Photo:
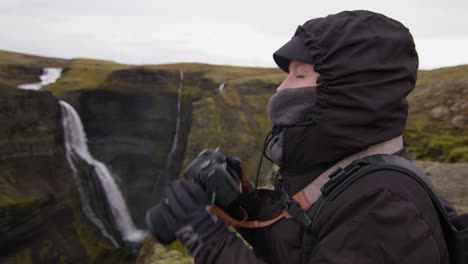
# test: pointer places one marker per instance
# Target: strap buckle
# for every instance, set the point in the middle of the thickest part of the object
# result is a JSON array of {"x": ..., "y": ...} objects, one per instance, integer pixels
[
  {"x": 339, "y": 175},
  {"x": 295, "y": 210}
]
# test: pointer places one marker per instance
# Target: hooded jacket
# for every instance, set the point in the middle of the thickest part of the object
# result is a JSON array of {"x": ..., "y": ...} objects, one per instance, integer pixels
[{"x": 367, "y": 64}]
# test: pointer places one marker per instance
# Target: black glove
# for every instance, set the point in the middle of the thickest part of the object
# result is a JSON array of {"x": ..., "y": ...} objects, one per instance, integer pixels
[
  {"x": 219, "y": 174},
  {"x": 183, "y": 210}
]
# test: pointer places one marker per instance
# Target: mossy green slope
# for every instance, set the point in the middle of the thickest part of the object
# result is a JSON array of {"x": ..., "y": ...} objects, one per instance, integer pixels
[
  {"x": 17, "y": 68},
  {"x": 434, "y": 139}
]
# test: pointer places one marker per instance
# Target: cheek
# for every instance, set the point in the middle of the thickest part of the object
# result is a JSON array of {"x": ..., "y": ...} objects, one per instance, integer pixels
[
  {"x": 303, "y": 82},
  {"x": 314, "y": 78},
  {"x": 292, "y": 83}
]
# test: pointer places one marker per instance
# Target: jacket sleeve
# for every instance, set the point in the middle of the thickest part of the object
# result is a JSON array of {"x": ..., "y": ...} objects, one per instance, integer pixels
[
  {"x": 227, "y": 250},
  {"x": 380, "y": 227}
]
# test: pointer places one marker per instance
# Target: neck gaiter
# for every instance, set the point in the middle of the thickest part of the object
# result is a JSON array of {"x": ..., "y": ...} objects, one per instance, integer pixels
[{"x": 288, "y": 107}]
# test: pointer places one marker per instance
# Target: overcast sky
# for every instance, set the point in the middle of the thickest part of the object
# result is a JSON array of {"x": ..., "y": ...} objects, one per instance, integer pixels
[{"x": 234, "y": 32}]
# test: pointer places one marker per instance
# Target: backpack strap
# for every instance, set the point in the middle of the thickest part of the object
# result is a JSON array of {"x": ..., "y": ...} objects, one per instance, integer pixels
[
  {"x": 307, "y": 196},
  {"x": 341, "y": 179}
]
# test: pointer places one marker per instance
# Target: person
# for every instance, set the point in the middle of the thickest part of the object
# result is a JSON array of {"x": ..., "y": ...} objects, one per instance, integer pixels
[{"x": 348, "y": 76}]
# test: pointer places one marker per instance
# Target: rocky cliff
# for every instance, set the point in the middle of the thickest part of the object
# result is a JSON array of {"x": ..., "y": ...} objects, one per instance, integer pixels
[
  {"x": 41, "y": 220},
  {"x": 130, "y": 121}
]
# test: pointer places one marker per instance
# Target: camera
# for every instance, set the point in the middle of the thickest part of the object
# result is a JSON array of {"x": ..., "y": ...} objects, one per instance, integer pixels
[{"x": 217, "y": 174}]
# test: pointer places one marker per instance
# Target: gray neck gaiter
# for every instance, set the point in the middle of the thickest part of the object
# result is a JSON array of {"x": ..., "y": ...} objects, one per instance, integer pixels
[{"x": 288, "y": 107}]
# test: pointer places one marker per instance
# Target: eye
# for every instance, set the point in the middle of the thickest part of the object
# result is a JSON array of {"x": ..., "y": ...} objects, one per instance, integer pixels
[{"x": 299, "y": 76}]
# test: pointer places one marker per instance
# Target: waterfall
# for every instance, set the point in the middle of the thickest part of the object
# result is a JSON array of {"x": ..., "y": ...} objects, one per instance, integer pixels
[
  {"x": 221, "y": 86},
  {"x": 176, "y": 134},
  {"x": 49, "y": 75},
  {"x": 76, "y": 147}
]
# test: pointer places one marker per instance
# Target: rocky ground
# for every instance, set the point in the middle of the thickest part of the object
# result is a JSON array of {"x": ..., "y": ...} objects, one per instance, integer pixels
[{"x": 451, "y": 179}]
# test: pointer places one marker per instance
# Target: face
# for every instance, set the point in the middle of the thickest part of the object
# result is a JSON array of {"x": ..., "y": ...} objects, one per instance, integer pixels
[{"x": 301, "y": 74}]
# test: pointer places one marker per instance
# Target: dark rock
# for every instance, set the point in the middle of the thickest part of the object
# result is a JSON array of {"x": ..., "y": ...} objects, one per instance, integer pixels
[
  {"x": 130, "y": 128},
  {"x": 440, "y": 113},
  {"x": 458, "y": 121},
  {"x": 142, "y": 76},
  {"x": 40, "y": 213},
  {"x": 458, "y": 106}
]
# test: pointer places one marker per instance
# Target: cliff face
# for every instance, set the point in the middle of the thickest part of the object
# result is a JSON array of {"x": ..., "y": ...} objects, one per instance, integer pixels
[
  {"x": 40, "y": 211},
  {"x": 130, "y": 122}
]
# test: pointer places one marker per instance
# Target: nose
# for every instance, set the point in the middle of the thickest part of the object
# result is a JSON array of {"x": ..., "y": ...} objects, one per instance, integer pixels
[{"x": 282, "y": 86}]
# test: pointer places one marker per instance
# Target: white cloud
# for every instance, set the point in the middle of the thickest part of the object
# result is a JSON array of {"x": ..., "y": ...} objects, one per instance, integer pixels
[
  {"x": 223, "y": 32},
  {"x": 436, "y": 53}
]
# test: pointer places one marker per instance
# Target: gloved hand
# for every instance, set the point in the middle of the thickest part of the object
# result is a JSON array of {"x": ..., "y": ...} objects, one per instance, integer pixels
[
  {"x": 234, "y": 165},
  {"x": 219, "y": 174},
  {"x": 183, "y": 210}
]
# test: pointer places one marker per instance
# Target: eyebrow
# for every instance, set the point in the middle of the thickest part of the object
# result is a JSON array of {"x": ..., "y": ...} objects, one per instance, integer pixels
[
  {"x": 303, "y": 68},
  {"x": 293, "y": 66}
]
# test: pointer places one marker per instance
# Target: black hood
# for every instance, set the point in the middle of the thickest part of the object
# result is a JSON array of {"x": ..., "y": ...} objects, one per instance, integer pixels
[{"x": 367, "y": 64}]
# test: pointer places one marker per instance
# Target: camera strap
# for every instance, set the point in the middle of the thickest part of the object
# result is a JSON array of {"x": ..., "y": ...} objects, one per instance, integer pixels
[
  {"x": 299, "y": 203},
  {"x": 245, "y": 223}
]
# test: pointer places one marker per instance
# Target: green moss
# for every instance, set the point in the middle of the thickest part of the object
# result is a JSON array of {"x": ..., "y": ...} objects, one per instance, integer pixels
[
  {"x": 191, "y": 91},
  {"x": 63, "y": 260},
  {"x": 434, "y": 140},
  {"x": 19, "y": 209},
  {"x": 274, "y": 78},
  {"x": 172, "y": 253},
  {"x": 234, "y": 119},
  {"x": 47, "y": 250},
  {"x": 92, "y": 243},
  {"x": 231, "y": 97},
  {"x": 177, "y": 246},
  {"x": 458, "y": 153},
  {"x": 20, "y": 257},
  {"x": 84, "y": 74},
  {"x": 7, "y": 57},
  {"x": 440, "y": 145},
  {"x": 16, "y": 68},
  {"x": 221, "y": 73},
  {"x": 237, "y": 123},
  {"x": 429, "y": 76},
  {"x": 6, "y": 200},
  {"x": 7, "y": 181},
  {"x": 160, "y": 154}
]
